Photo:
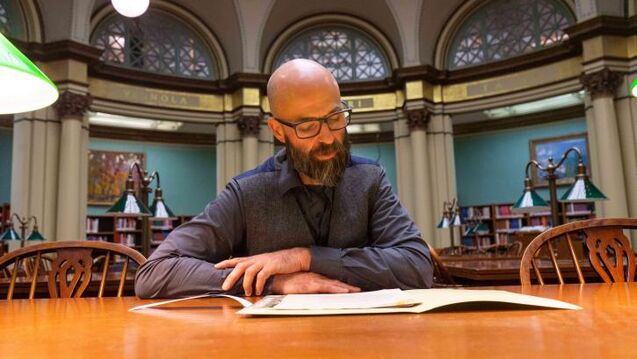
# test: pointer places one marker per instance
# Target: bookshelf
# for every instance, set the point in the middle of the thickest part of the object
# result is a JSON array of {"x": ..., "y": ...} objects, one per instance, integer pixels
[
  {"x": 503, "y": 223},
  {"x": 128, "y": 230}
]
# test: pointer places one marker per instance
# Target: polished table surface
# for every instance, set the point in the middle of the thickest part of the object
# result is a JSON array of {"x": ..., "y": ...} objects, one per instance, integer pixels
[
  {"x": 103, "y": 328},
  {"x": 506, "y": 270}
]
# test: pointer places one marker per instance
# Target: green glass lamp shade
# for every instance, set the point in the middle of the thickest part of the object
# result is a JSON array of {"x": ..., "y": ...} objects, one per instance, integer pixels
[
  {"x": 159, "y": 210},
  {"x": 530, "y": 202},
  {"x": 24, "y": 87},
  {"x": 456, "y": 221},
  {"x": 128, "y": 204},
  {"x": 10, "y": 235},
  {"x": 444, "y": 222},
  {"x": 35, "y": 235},
  {"x": 583, "y": 190},
  {"x": 633, "y": 88}
]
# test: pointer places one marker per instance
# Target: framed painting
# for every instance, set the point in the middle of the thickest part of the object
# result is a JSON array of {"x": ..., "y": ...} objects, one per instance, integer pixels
[
  {"x": 107, "y": 173},
  {"x": 543, "y": 149}
]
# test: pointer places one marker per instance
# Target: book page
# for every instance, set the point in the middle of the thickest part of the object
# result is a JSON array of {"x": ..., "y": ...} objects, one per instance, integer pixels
[
  {"x": 428, "y": 299},
  {"x": 375, "y": 299}
]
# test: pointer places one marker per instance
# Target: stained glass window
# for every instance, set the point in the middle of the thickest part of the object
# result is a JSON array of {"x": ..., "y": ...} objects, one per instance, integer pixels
[
  {"x": 349, "y": 54},
  {"x": 507, "y": 28},
  {"x": 11, "y": 23},
  {"x": 155, "y": 42}
]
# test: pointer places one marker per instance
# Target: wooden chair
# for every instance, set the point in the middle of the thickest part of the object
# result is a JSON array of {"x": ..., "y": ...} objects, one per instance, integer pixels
[
  {"x": 442, "y": 277},
  {"x": 74, "y": 259},
  {"x": 609, "y": 250}
]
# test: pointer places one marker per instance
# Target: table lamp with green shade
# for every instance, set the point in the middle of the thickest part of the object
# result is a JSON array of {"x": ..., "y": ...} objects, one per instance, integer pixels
[
  {"x": 24, "y": 87},
  {"x": 633, "y": 88}
]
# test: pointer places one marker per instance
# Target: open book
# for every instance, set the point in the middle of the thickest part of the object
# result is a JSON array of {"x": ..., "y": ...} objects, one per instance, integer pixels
[
  {"x": 382, "y": 301},
  {"x": 390, "y": 301}
]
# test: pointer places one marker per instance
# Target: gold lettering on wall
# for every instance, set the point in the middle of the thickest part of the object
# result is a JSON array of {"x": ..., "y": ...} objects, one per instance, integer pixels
[{"x": 151, "y": 97}]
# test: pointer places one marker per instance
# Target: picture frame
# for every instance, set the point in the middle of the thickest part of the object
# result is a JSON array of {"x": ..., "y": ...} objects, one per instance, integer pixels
[
  {"x": 107, "y": 174},
  {"x": 543, "y": 148}
]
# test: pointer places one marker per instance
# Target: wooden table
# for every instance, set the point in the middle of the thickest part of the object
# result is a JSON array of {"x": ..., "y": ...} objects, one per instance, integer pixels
[
  {"x": 103, "y": 328},
  {"x": 506, "y": 271}
]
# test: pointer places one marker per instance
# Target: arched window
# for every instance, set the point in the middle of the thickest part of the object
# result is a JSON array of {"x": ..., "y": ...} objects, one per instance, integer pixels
[
  {"x": 507, "y": 28},
  {"x": 11, "y": 23},
  {"x": 350, "y": 54},
  {"x": 156, "y": 42}
]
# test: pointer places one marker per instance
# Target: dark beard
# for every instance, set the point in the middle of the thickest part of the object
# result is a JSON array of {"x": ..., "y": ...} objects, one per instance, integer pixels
[{"x": 327, "y": 172}]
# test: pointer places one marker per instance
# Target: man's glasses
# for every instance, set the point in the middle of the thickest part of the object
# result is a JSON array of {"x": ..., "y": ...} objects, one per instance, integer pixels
[{"x": 311, "y": 127}]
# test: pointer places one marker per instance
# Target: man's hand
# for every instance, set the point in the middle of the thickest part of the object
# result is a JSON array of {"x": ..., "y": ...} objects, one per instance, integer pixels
[
  {"x": 309, "y": 282},
  {"x": 262, "y": 266}
]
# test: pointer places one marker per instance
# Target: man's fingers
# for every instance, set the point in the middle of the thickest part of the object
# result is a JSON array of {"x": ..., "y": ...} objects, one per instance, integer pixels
[
  {"x": 229, "y": 263},
  {"x": 262, "y": 277},
  {"x": 327, "y": 287},
  {"x": 234, "y": 276},
  {"x": 350, "y": 288},
  {"x": 248, "y": 278}
]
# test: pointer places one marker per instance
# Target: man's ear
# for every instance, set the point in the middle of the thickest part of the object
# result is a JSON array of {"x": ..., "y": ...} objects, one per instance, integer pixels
[{"x": 277, "y": 129}]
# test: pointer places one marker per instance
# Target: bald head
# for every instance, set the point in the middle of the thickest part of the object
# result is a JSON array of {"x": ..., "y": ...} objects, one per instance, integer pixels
[{"x": 298, "y": 84}]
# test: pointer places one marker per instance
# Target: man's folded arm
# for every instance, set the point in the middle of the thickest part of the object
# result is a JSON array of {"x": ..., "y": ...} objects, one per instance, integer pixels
[
  {"x": 397, "y": 256},
  {"x": 183, "y": 264}
]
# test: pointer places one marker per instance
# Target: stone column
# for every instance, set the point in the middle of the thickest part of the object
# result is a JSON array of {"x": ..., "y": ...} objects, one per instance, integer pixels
[
  {"x": 404, "y": 167},
  {"x": 442, "y": 170},
  {"x": 228, "y": 153},
  {"x": 71, "y": 108},
  {"x": 601, "y": 86},
  {"x": 36, "y": 137},
  {"x": 266, "y": 143},
  {"x": 249, "y": 129},
  {"x": 417, "y": 120}
]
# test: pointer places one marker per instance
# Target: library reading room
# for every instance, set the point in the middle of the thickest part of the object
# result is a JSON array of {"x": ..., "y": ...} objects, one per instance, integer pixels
[{"x": 318, "y": 179}]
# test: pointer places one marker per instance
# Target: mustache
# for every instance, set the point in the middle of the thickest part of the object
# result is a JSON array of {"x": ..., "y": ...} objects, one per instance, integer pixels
[{"x": 324, "y": 149}]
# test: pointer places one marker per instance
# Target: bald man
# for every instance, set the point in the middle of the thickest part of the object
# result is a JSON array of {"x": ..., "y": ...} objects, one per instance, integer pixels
[{"x": 311, "y": 219}]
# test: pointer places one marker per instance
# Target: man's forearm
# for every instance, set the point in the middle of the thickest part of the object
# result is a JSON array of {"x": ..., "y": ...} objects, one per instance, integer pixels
[
  {"x": 173, "y": 277},
  {"x": 373, "y": 268}
]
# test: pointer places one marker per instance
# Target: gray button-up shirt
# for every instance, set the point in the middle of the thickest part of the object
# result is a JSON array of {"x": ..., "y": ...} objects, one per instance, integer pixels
[{"x": 370, "y": 242}]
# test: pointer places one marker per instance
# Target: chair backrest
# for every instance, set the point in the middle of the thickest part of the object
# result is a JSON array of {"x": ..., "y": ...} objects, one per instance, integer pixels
[
  {"x": 442, "y": 277},
  {"x": 610, "y": 253},
  {"x": 68, "y": 259}
]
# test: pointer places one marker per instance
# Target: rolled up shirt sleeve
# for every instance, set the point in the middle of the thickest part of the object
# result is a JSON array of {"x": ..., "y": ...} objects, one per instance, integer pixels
[
  {"x": 183, "y": 264},
  {"x": 397, "y": 256}
]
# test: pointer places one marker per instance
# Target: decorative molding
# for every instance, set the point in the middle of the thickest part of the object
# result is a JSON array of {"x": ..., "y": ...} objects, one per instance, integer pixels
[
  {"x": 72, "y": 105},
  {"x": 249, "y": 126},
  {"x": 602, "y": 25},
  {"x": 533, "y": 119},
  {"x": 602, "y": 83},
  {"x": 417, "y": 119},
  {"x": 130, "y": 134},
  {"x": 129, "y": 76},
  {"x": 59, "y": 50}
]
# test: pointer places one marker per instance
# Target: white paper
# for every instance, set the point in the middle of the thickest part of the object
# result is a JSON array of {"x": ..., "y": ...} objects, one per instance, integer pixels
[
  {"x": 428, "y": 299},
  {"x": 241, "y": 301},
  {"x": 364, "y": 300}
]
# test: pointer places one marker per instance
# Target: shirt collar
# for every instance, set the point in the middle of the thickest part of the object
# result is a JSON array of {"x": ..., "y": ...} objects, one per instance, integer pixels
[{"x": 288, "y": 177}]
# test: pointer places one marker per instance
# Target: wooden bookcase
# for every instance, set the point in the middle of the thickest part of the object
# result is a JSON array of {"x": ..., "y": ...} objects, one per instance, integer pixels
[
  {"x": 128, "y": 231},
  {"x": 503, "y": 223}
]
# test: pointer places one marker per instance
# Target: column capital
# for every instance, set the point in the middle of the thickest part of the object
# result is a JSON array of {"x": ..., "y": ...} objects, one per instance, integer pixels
[
  {"x": 249, "y": 126},
  {"x": 72, "y": 105},
  {"x": 602, "y": 83},
  {"x": 417, "y": 119}
]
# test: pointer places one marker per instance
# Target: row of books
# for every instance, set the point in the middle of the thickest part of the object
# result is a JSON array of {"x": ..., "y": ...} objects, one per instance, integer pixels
[
  {"x": 478, "y": 212},
  {"x": 97, "y": 238},
  {"x": 126, "y": 239},
  {"x": 125, "y": 224}
]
